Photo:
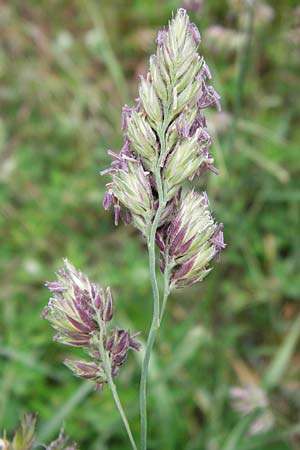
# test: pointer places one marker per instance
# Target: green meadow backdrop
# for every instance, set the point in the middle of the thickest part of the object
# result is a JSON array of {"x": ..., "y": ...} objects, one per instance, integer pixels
[{"x": 66, "y": 69}]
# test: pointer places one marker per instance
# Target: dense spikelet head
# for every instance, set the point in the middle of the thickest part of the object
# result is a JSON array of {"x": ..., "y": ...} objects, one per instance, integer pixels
[
  {"x": 182, "y": 69},
  {"x": 73, "y": 306},
  {"x": 81, "y": 311},
  {"x": 192, "y": 227},
  {"x": 166, "y": 130},
  {"x": 189, "y": 243},
  {"x": 166, "y": 135},
  {"x": 177, "y": 49}
]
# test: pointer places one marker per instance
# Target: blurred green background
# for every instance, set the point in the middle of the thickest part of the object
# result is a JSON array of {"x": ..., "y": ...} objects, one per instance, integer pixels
[{"x": 66, "y": 69}]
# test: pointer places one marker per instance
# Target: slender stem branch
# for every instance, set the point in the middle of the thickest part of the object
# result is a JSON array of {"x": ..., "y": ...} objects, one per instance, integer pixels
[
  {"x": 151, "y": 234},
  {"x": 112, "y": 386},
  {"x": 121, "y": 411},
  {"x": 153, "y": 329}
]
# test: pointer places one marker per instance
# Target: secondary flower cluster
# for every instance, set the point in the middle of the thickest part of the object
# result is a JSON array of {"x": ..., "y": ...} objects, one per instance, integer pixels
[
  {"x": 190, "y": 240},
  {"x": 81, "y": 313},
  {"x": 166, "y": 143}
]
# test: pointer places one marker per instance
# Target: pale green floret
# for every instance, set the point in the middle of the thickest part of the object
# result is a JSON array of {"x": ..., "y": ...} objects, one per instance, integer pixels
[
  {"x": 157, "y": 79},
  {"x": 142, "y": 138},
  {"x": 205, "y": 254},
  {"x": 57, "y": 313},
  {"x": 176, "y": 65},
  {"x": 178, "y": 36},
  {"x": 190, "y": 94},
  {"x": 141, "y": 222},
  {"x": 177, "y": 32},
  {"x": 132, "y": 188},
  {"x": 59, "y": 322},
  {"x": 168, "y": 59},
  {"x": 162, "y": 67},
  {"x": 198, "y": 275},
  {"x": 187, "y": 117},
  {"x": 150, "y": 102},
  {"x": 187, "y": 61},
  {"x": 182, "y": 163},
  {"x": 190, "y": 73},
  {"x": 179, "y": 48},
  {"x": 174, "y": 70},
  {"x": 172, "y": 138}
]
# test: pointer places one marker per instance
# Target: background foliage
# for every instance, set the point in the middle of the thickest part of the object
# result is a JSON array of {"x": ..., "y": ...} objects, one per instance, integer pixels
[{"x": 66, "y": 69}]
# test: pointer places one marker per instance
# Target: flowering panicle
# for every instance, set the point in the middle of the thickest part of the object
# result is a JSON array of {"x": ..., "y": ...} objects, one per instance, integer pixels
[
  {"x": 166, "y": 130},
  {"x": 81, "y": 311},
  {"x": 166, "y": 144},
  {"x": 165, "y": 136}
]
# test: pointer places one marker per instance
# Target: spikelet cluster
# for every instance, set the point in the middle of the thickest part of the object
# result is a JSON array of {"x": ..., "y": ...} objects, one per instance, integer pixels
[
  {"x": 165, "y": 137},
  {"x": 81, "y": 311},
  {"x": 190, "y": 241}
]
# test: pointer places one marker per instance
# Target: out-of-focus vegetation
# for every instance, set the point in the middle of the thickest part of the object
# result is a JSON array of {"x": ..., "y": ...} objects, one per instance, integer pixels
[{"x": 66, "y": 68}]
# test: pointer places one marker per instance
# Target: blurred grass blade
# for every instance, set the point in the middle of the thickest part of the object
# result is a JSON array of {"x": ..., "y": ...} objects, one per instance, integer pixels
[
  {"x": 107, "y": 53},
  {"x": 241, "y": 78},
  {"x": 259, "y": 442},
  {"x": 56, "y": 422},
  {"x": 261, "y": 131},
  {"x": 282, "y": 357},
  {"x": 165, "y": 412},
  {"x": 186, "y": 350},
  {"x": 238, "y": 434},
  {"x": 268, "y": 165},
  {"x": 29, "y": 361},
  {"x": 219, "y": 152}
]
